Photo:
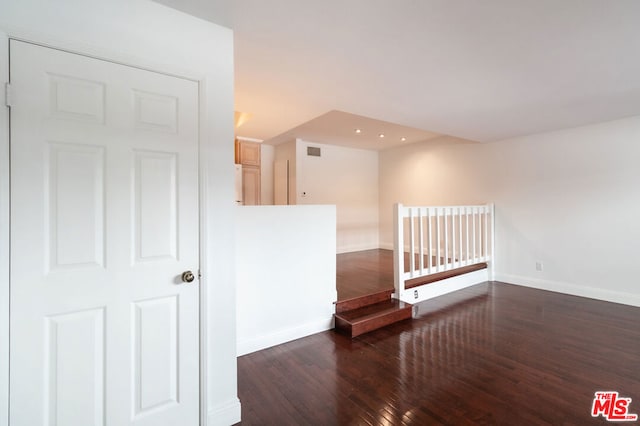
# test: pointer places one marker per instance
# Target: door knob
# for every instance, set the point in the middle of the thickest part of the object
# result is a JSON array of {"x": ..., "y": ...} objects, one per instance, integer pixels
[{"x": 187, "y": 276}]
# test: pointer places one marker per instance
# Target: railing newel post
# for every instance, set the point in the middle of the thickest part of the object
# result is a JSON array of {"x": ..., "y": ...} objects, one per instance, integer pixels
[{"x": 398, "y": 250}]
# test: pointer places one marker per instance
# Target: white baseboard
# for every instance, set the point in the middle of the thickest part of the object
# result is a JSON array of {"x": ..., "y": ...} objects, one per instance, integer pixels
[
  {"x": 283, "y": 336},
  {"x": 439, "y": 288},
  {"x": 353, "y": 248},
  {"x": 225, "y": 414},
  {"x": 572, "y": 289}
]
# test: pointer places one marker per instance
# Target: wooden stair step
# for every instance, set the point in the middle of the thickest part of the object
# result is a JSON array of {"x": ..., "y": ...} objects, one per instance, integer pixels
[
  {"x": 372, "y": 317},
  {"x": 359, "y": 302}
]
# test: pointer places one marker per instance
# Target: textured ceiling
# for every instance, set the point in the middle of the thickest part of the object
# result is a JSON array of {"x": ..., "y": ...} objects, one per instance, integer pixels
[{"x": 480, "y": 70}]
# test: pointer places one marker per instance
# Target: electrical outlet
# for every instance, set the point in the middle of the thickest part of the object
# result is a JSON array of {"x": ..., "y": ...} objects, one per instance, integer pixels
[
  {"x": 539, "y": 266},
  {"x": 415, "y": 294}
]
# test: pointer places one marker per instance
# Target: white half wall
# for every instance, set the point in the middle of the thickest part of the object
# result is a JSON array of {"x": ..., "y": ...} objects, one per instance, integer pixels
[
  {"x": 286, "y": 273},
  {"x": 345, "y": 177},
  {"x": 566, "y": 199},
  {"x": 148, "y": 35}
]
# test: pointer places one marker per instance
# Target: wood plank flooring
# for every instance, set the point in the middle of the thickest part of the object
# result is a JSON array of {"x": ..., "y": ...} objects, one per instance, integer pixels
[{"x": 492, "y": 354}]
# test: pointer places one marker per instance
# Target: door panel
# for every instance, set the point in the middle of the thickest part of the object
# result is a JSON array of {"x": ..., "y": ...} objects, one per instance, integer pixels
[
  {"x": 156, "y": 208},
  {"x": 75, "y": 368},
  {"x": 156, "y": 355},
  {"x": 76, "y": 203},
  {"x": 104, "y": 220}
]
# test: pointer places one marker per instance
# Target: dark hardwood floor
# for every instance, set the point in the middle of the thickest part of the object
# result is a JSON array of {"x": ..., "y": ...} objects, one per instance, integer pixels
[{"x": 490, "y": 354}]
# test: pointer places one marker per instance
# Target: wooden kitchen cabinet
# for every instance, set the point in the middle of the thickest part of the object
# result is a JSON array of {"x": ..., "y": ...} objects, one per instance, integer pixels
[{"x": 248, "y": 155}]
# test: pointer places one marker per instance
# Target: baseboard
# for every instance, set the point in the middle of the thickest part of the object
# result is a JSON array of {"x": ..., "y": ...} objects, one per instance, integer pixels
[
  {"x": 572, "y": 289},
  {"x": 283, "y": 336},
  {"x": 225, "y": 414},
  {"x": 350, "y": 249},
  {"x": 439, "y": 288}
]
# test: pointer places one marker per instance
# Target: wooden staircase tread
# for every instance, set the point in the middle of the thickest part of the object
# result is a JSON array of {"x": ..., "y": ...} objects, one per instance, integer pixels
[
  {"x": 376, "y": 310},
  {"x": 365, "y": 300},
  {"x": 373, "y": 317}
]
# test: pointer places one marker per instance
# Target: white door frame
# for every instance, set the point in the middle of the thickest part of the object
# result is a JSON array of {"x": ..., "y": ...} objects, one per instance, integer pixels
[
  {"x": 4, "y": 233},
  {"x": 110, "y": 56}
]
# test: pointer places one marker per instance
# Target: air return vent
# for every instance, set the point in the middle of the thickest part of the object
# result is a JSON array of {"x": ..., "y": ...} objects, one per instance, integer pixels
[{"x": 313, "y": 151}]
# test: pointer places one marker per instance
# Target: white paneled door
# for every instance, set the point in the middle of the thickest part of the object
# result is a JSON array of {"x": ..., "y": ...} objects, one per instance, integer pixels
[{"x": 104, "y": 225}]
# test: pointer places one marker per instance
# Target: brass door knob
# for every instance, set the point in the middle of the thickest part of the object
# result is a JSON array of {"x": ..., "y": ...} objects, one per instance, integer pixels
[{"x": 187, "y": 276}]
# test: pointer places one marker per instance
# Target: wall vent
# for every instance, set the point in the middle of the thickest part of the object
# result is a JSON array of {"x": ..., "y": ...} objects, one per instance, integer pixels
[{"x": 313, "y": 151}]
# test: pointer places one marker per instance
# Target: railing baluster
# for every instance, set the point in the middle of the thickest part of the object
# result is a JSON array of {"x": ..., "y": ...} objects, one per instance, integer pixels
[
  {"x": 453, "y": 238},
  {"x": 412, "y": 247},
  {"x": 474, "y": 217},
  {"x": 466, "y": 216},
  {"x": 460, "y": 236},
  {"x": 430, "y": 228},
  {"x": 486, "y": 233},
  {"x": 398, "y": 250},
  {"x": 446, "y": 238},
  {"x": 421, "y": 240},
  {"x": 492, "y": 208},
  {"x": 438, "y": 240}
]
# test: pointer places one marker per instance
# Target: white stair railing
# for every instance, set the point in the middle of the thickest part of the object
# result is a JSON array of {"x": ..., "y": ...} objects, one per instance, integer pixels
[{"x": 433, "y": 239}]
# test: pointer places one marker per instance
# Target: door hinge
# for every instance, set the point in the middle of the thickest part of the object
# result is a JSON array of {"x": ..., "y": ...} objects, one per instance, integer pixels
[{"x": 7, "y": 95}]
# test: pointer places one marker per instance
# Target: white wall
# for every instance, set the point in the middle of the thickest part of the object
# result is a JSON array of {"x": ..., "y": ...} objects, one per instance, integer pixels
[
  {"x": 567, "y": 199},
  {"x": 148, "y": 35},
  {"x": 286, "y": 273},
  {"x": 345, "y": 177},
  {"x": 267, "y": 155},
  {"x": 445, "y": 171}
]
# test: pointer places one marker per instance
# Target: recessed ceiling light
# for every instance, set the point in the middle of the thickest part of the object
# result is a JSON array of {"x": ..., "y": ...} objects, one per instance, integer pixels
[
  {"x": 403, "y": 139},
  {"x": 381, "y": 135},
  {"x": 358, "y": 131}
]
